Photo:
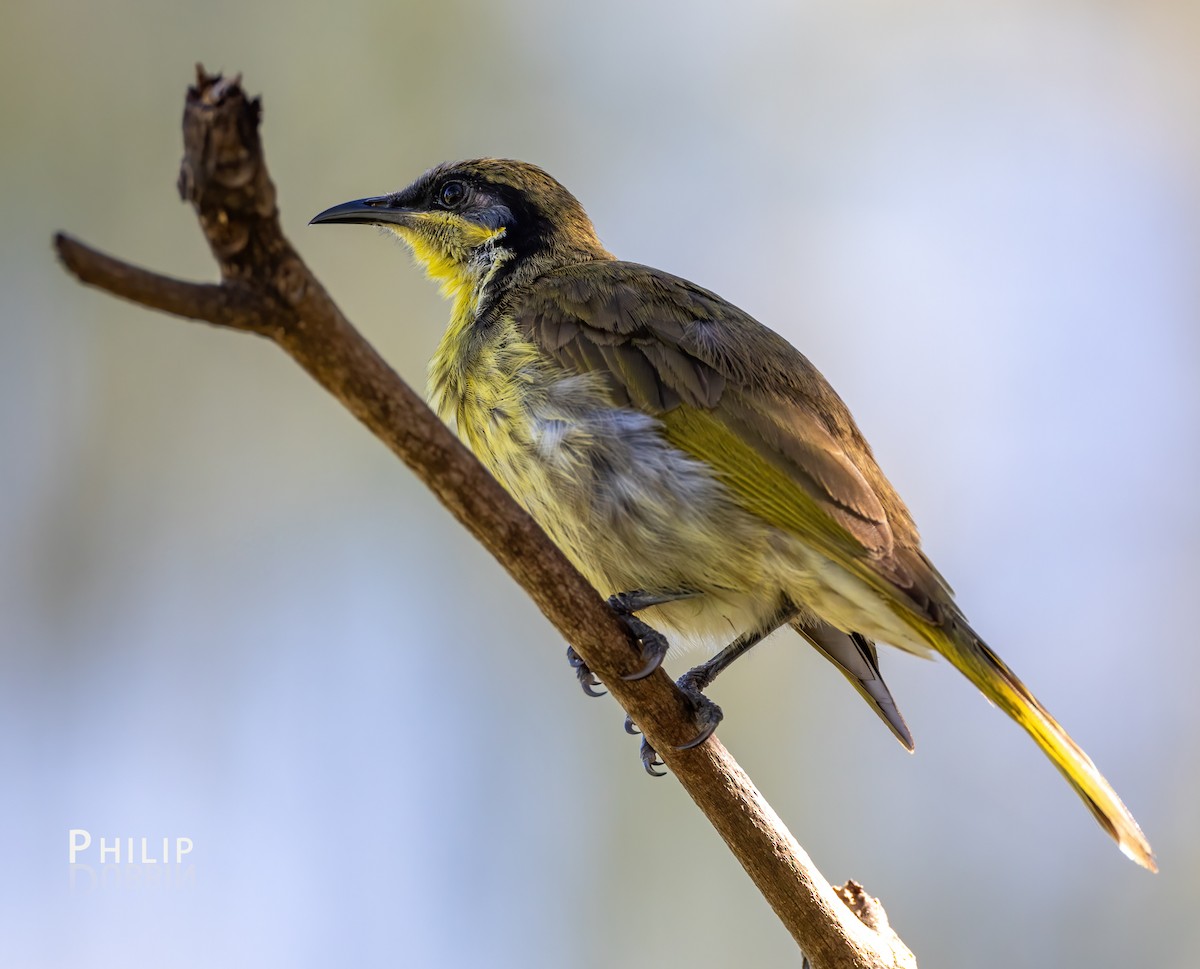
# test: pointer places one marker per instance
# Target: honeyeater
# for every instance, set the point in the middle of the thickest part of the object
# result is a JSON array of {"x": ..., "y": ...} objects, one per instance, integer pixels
[{"x": 689, "y": 461}]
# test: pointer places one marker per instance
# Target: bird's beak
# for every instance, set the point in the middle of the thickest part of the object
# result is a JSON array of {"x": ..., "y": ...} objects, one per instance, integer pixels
[{"x": 380, "y": 210}]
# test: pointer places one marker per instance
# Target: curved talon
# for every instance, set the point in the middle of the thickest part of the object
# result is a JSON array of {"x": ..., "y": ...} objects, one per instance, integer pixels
[
  {"x": 651, "y": 665},
  {"x": 707, "y": 715},
  {"x": 650, "y": 760},
  {"x": 705, "y": 732},
  {"x": 589, "y": 685},
  {"x": 653, "y": 644},
  {"x": 631, "y": 728},
  {"x": 587, "y": 679}
]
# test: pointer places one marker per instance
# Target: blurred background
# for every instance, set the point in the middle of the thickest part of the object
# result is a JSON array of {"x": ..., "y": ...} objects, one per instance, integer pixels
[{"x": 228, "y": 614}]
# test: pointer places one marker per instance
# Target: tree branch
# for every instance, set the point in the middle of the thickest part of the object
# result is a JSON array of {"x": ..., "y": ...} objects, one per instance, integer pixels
[
  {"x": 268, "y": 290},
  {"x": 234, "y": 305}
]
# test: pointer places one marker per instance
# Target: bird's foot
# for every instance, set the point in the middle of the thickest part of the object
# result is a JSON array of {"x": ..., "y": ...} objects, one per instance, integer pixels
[
  {"x": 653, "y": 648},
  {"x": 583, "y": 672},
  {"x": 650, "y": 760},
  {"x": 706, "y": 715},
  {"x": 652, "y": 645}
]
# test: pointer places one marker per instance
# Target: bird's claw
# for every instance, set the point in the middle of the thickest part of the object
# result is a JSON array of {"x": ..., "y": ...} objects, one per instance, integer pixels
[
  {"x": 707, "y": 716},
  {"x": 583, "y": 672},
  {"x": 652, "y": 643},
  {"x": 653, "y": 647},
  {"x": 650, "y": 760}
]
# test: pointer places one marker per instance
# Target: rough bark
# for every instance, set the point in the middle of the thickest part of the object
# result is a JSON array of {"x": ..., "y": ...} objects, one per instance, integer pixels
[{"x": 267, "y": 289}]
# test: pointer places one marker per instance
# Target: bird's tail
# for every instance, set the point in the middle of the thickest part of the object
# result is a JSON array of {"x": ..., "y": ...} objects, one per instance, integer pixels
[
  {"x": 856, "y": 657},
  {"x": 986, "y": 670}
]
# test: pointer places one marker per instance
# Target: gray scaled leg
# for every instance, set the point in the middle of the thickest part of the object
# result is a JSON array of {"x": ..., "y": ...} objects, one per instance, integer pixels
[{"x": 708, "y": 715}]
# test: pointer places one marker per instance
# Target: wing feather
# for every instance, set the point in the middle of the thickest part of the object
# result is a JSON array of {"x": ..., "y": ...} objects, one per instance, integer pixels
[{"x": 739, "y": 396}]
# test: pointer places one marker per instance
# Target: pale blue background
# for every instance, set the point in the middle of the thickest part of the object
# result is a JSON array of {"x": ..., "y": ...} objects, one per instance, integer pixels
[{"x": 227, "y": 613}]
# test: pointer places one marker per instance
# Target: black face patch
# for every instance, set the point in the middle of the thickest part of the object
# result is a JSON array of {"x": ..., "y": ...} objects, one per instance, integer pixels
[
  {"x": 527, "y": 230},
  {"x": 520, "y": 199}
]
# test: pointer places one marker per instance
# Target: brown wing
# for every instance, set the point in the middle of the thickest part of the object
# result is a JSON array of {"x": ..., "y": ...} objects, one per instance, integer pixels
[{"x": 739, "y": 396}]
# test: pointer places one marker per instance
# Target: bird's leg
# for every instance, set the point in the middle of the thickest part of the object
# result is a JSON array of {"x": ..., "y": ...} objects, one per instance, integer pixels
[
  {"x": 692, "y": 684},
  {"x": 653, "y": 643},
  {"x": 627, "y": 603},
  {"x": 700, "y": 677}
]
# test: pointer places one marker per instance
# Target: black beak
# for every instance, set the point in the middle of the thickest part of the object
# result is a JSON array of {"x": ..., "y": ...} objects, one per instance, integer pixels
[{"x": 380, "y": 210}]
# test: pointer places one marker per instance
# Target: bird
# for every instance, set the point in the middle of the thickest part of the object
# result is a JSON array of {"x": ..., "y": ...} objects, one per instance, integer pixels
[{"x": 692, "y": 464}]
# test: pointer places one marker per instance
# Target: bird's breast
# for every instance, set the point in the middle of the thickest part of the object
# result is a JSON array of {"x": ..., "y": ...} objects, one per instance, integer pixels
[{"x": 631, "y": 510}]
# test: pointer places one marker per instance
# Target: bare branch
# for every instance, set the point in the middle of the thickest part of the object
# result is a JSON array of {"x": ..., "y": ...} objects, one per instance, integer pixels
[
  {"x": 232, "y": 305},
  {"x": 267, "y": 289}
]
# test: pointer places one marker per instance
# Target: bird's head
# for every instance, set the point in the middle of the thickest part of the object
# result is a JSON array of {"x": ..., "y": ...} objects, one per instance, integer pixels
[{"x": 468, "y": 221}]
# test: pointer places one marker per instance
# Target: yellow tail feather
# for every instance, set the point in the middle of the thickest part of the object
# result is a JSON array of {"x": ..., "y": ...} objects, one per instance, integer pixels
[{"x": 1000, "y": 685}]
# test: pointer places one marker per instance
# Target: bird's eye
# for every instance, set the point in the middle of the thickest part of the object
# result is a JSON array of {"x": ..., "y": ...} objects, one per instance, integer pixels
[{"x": 451, "y": 194}]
